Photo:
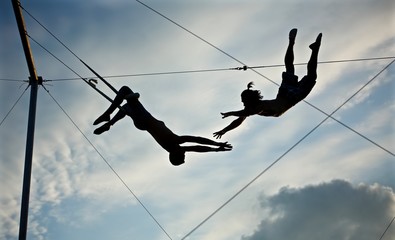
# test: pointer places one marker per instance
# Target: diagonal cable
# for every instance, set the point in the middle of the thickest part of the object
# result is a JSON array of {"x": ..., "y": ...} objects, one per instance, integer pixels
[
  {"x": 11, "y": 80},
  {"x": 338, "y": 121},
  {"x": 386, "y": 229},
  {"x": 187, "y": 30},
  {"x": 8, "y": 113}
]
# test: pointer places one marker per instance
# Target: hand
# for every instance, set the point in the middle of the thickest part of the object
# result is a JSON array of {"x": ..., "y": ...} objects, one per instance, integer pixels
[
  {"x": 225, "y": 147},
  {"x": 225, "y": 115},
  {"x": 218, "y": 134}
]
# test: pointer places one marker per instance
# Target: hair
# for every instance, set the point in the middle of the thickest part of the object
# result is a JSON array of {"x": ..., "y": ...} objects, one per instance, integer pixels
[
  {"x": 177, "y": 157},
  {"x": 249, "y": 96}
]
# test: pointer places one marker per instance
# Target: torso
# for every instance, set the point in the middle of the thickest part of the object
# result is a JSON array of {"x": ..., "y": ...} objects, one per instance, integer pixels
[
  {"x": 144, "y": 121},
  {"x": 290, "y": 93},
  {"x": 273, "y": 108}
]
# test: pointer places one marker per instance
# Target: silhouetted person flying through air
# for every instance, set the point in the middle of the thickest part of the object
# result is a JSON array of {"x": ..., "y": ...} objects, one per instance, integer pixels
[
  {"x": 143, "y": 120},
  {"x": 290, "y": 92}
]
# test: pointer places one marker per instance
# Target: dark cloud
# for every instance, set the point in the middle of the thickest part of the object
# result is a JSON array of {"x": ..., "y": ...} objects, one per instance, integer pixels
[{"x": 334, "y": 210}]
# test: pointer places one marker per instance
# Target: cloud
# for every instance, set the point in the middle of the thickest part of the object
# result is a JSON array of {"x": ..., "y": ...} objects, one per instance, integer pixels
[{"x": 333, "y": 210}]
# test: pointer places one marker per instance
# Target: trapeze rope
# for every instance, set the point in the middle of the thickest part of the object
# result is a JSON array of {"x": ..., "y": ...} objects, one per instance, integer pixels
[
  {"x": 101, "y": 78},
  {"x": 64, "y": 45},
  {"x": 89, "y": 82}
]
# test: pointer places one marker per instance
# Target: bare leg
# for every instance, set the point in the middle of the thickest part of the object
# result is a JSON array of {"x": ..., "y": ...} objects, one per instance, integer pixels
[
  {"x": 312, "y": 64},
  {"x": 289, "y": 55},
  {"x": 124, "y": 93},
  {"x": 118, "y": 116}
]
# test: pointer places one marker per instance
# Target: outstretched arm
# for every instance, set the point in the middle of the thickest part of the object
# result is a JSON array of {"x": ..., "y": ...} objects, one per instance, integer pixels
[
  {"x": 231, "y": 126},
  {"x": 199, "y": 148},
  {"x": 256, "y": 109},
  {"x": 241, "y": 113},
  {"x": 202, "y": 140}
]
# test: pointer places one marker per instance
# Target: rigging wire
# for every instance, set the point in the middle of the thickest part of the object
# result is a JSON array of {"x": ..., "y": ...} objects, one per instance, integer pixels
[
  {"x": 53, "y": 55},
  {"x": 333, "y": 118},
  {"x": 84, "y": 79},
  {"x": 286, "y": 152},
  {"x": 329, "y": 62},
  {"x": 46, "y": 29},
  {"x": 108, "y": 164},
  {"x": 202, "y": 39},
  {"x": 190, "y": 32},
  {"x": 351, "y": 129},
  {"x": 385, "y": 231},
  {"x": 12, "y": 80},
  {"x": 224, "y": 69},
  {"x": 13, "y": 106},
  {"x": 151, "y": 74}
]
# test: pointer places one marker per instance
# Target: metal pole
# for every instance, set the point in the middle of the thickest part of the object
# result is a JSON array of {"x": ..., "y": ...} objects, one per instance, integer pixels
[
  {"x": 33, "y": 81},
  {"x": 28, "y": 162}
]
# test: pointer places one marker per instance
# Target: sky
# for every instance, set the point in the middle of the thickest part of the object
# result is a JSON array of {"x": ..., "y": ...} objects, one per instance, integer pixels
[{"x": 285, "y": 178}]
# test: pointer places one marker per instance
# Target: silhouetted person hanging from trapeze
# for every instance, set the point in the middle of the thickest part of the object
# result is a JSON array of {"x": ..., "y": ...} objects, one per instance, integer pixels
[
  {"x": 290, "y": 92},
  {"x": 143, "y": 120}
]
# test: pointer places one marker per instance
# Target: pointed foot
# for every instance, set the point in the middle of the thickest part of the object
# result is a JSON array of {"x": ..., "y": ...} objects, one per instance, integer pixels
[
  {"x": 102, "y": 118},
  {"x": 292, "y": 34},
  {"x": 102, "y": 129},
  {"x": 316, "y": 45},
  {"x": 134, "y": 95}
]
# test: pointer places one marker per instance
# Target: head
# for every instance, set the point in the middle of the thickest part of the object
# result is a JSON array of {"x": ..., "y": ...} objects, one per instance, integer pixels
[
  {"x": 177, "y": 157},
  {"x": 250, "y": 97}
]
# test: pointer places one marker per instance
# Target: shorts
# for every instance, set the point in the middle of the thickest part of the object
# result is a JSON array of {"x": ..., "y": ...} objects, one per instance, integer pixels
[{"x": 293, "y": 90}]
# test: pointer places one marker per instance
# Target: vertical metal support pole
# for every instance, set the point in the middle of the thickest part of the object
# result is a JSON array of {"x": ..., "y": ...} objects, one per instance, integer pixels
[
  {"x": 28, "y": 161},
  {"x": 33, "y": 81}
]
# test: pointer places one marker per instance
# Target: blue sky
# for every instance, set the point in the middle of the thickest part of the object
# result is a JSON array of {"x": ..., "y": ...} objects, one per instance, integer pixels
[{"x": 334, "y": 184}]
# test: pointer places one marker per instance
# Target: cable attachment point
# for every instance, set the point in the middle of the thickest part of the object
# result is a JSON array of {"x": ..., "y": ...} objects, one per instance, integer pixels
[
  {"x": 242, "y": 68},
  {"x": 92, "y": 82},
  {"x": 39, "y": 80}
]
